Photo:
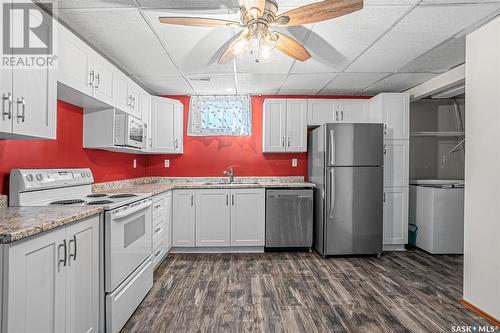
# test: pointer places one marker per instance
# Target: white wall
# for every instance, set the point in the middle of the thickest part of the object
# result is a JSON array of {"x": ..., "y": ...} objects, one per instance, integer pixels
[{"x": 482, "y": 170}]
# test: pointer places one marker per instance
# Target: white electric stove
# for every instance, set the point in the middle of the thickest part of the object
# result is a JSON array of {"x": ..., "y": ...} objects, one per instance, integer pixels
[{"x": 126, "y": 238}]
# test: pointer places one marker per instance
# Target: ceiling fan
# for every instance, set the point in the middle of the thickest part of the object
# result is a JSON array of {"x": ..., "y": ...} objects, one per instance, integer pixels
[{"x": 257, "y": 18}]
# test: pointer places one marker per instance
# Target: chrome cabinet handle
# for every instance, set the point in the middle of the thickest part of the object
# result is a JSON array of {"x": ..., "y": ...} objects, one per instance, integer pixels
[
  {"x": 63, "y": 261},
  {"x": 385, "y": 149},
  {"x": 8, "y": 98},
  {"x": 227, "y": 199},
  {"x": 129, "y": 101},
  {"x": 192, "y": 199},
  {"x": 21, "y": 101},
  {"x": 283, "y": 142},
  {"x": 157, "y": 253},
  {"x": 69, "y": 247},
  {"x": 383, "y": 197},
  {"x": 176, "y": 143},
  {"x": 157, "y": 229},
  {"x": 342, "y": 115},
  {"x": 91, "y": 78},
  {"x": 98, "y": 79},
  {"x": 288, "y": 141},
  {"x": 336, "y": 116},
  {"x": 232, "y": 199},
  {"x": 385, "y": 128}
]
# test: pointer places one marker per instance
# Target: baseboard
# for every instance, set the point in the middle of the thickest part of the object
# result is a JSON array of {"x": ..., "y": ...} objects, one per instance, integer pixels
[
  {"x": 394, "y": 247},
  {"x": 235, "y": 249},
  {"x": 480, "y": 312}
]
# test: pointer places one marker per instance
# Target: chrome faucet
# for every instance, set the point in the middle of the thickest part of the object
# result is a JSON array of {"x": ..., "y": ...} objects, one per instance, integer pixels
[{"x": 230, "y": 174}]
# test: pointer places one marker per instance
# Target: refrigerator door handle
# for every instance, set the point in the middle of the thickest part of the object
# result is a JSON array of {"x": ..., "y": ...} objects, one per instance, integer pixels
[
  {"x": 332, "y": 193},
  {"x": 332, "y": 147}
]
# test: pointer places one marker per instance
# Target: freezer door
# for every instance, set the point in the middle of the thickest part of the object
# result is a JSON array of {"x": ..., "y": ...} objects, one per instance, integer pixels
[
  {"x": 354, "y": 144},
  {"x": 353, "y": 217}
]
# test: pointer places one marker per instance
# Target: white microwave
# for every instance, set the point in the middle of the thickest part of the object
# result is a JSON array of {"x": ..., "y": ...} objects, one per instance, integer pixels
[{"x": 129, "y": 131}]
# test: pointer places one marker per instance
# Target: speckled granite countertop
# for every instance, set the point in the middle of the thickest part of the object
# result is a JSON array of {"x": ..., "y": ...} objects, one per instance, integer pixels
[
  {"x": 3, "y": 201},
  {"x": 161, "y": 185},
  {"x": 17, "y": 223}
]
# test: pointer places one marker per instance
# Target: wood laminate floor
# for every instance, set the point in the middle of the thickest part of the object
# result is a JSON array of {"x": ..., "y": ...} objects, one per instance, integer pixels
[{"x": 302, "y": 292}]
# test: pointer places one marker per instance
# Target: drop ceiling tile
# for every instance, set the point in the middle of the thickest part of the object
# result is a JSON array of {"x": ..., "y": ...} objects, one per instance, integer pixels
[
  {"x": 368, "y": 3},
  {"x": 440, "y": 59},
  {"x": 82, "y": 4},
  {"x": 398, "y": 82},
  {"x": 220, "y": 84},
  {"x": 123, "y": 36},
  {"x": 425, "y": 2},
  {"x": 423, "y": 29},
  {"x": 351, "y": 83},
  {"x": 191, "y": 5},
  {"x": 194, "y": 49},
  {"x": 265, "y": 84},
  {"x": 305, "y": 84},
  {"x": 335, "y": 44},
  {"x": 166, "y": 84}
]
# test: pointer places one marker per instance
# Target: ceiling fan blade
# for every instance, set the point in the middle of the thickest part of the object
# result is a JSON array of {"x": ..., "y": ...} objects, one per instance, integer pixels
[
  {"x": 233, "y": 49},
  {"x": 319, "y": 11},
  {"x": 291, "y": 47},
  {"x": 198, "y": 21}
]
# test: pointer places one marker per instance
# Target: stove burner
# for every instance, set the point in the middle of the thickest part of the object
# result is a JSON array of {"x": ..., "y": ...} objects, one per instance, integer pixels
[
  {"x": 67, "y": 202},
  {"x": 124, "y": 195},
  {"x": 97, "y": 195},
  {"x": 99, "y": 202}
]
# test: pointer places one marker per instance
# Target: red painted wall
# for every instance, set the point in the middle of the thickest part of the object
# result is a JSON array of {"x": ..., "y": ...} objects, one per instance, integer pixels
[
  {"x": 66, "y": 151},
  {"x": 210, "y": 156}
]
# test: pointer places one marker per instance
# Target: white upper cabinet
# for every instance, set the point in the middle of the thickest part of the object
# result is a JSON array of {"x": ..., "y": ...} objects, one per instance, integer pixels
[
  {"x": 274, "y": 125},
  {"x": 322, "y": 111},
  {"x": 145, "y": 106},
  {"x": 133, "y": 99},
  {"x": 248, "y": 217},
  {"x": 285, "y": 125},
  {"x": 166, "y": 125},
  {"x": 296, "y": 125},
  {"x": 353, "y": 110},
  {"x": 392, "y": 109},
  {"x": 213, "y": 217},
  {"x": 120, "y": 91},
  {"x": 29, "y": 102},
  {"x": 102, "y": 72},
  {"x": 396, "y": 163}
]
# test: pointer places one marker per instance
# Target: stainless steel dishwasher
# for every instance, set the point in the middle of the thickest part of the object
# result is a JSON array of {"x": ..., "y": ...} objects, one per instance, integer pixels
[{"x": 289, "y": 218}]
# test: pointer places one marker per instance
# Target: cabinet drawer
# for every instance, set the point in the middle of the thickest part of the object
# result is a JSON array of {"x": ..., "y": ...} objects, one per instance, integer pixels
[
  {"x": 158, "y": 234},
  {"x": 159, "y": 219},
  {"x": 158, "y": 208},
  {"x": 158, "y": 255}
]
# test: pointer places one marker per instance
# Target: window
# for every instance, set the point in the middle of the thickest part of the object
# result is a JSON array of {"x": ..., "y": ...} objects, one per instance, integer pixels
[{"x": 220, "y": 116}]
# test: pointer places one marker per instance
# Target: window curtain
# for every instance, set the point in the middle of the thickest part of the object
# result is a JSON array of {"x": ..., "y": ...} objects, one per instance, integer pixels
[{"x": 220, "y": 116}]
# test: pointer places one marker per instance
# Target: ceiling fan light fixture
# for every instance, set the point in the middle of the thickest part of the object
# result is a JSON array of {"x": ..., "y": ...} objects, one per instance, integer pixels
[
  {"x": 268, "y": 41},
  {"x": 264, "y": 56},
  {"x": 241, "y": 45}
]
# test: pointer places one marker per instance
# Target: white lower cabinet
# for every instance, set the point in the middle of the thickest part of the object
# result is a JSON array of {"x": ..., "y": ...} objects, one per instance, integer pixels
[
  {"x": 162, "y": 226},
  {"x": 218, "y": 217},
  {"x": 51, "y": 281},
  {"x": 183, "y": 218},
  {"x": 248, "y": 215},
  {"x": 213, "y": 217},
  {"x": 396, "y": 215}
]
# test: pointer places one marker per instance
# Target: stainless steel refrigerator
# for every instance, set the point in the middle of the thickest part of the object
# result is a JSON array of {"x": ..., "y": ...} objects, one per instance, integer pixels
[{"x": 346, "y": 164}]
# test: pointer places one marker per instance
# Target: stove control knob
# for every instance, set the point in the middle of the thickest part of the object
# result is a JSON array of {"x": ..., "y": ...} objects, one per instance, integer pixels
[
  {"x": 83, "y": 174},
  {"x": 29, "y": 177},
  {"x": 88, "y": 174},
  {"x": 39, "y": 176}
]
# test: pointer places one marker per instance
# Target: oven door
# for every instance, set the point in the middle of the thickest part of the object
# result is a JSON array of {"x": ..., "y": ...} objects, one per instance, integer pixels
[
  {"x": 136, "y": 133},
  {"x": 128, "y": 241}
]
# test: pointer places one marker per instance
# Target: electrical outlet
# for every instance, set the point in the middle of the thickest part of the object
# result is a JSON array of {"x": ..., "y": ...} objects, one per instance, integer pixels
[
  {"x": 167, "y": 163},
  {"x": 135, "y": 163},
  {"x": 294, "y": 162}
]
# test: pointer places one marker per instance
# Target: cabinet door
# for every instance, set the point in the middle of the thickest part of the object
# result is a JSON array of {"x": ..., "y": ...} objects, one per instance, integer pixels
[
  {"x": 82, "y": 277},
  {"x": 274, "y": 125},
  {"x": 121, "y": 98},
  {"x": 34, "y": 93},
  {"x": 395, "y": 116},
  {"x": 396, "y": 163},
  {"x": 36, "y": 284},
  {"x": 145, "y": 105},
  {"x": 133, "y": 93},
  {"x": 179, "y": 127},
  {"x": 396, "y": 215},
  {"x": 296, "y": 125},
  {"x": 322, "y": 111},
  {"x": 183, "y": 218},
  {"x": 354, "y": 111},
  {"x": 103, "y": 78},
  {"x": 74, "y": 62},
  {"x": 248, "y": 217},
  {"x": 7, "y": 109},
  {"x": 166, "y": 126},
  {"x": 212, "y": 217}
]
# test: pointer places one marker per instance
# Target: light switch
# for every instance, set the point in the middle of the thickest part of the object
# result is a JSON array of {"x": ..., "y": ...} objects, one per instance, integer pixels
[
  {"x": 135, "y": 163},
  {"x": 167, "y": 163},
  {"x": 294, "y": 162}
]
